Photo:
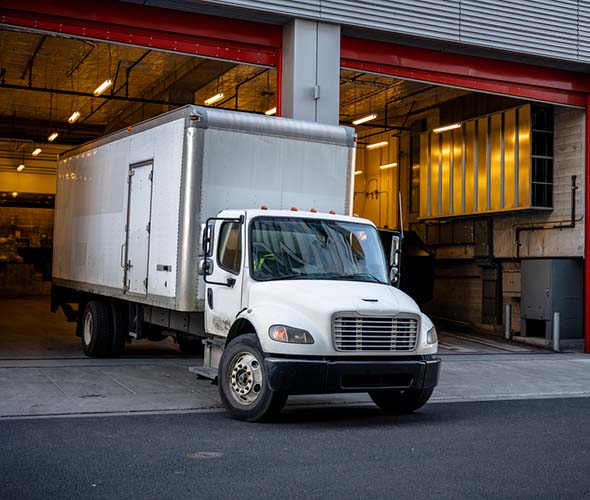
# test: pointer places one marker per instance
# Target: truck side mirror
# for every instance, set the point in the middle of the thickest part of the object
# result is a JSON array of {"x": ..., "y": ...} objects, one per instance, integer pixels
[
  {"x": 395, "y": 259},
  {"x": 206, "y": 264}
]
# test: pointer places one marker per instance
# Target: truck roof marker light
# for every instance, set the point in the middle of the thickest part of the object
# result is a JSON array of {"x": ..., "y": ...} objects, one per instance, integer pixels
[
  {"x": 263, "y": 207},
  {"x": 313, "y": 210},
  {"x": 293, "y": 209},
  {"x": 364, "y": 119},
  {"x": 332, "y": 212}
]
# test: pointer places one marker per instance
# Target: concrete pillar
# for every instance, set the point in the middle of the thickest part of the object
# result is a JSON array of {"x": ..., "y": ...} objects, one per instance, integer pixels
[{"x": 311, "y": 71}]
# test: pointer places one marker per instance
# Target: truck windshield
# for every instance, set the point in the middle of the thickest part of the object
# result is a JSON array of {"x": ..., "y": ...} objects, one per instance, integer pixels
[{"x": 298, "y": 248}]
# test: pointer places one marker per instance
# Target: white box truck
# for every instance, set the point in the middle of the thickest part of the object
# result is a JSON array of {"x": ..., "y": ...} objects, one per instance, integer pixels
[{"x": 185, "y": 225}]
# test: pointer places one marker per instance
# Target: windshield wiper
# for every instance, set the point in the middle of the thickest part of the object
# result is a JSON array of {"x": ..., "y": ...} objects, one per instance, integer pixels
[{"x": 361, "y": 276}]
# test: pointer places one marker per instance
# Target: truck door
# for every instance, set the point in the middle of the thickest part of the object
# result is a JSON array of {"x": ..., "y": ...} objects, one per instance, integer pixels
[
  {"x": 224, "y": 284},
  {"x": 137, "y": 240}
]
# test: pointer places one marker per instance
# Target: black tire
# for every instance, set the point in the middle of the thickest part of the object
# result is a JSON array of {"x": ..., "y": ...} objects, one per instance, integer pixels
[
  {"x": 399, "y": 402},
  {"x": 190, "y": 344},
  {"x": 242, "y": 369},
  {"x": 97, "y": 329},
  {"x": 120, "y": 328}
]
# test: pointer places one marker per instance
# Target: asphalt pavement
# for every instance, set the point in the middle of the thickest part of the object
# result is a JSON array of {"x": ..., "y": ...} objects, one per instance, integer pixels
[{"x": 526, "y": 449}]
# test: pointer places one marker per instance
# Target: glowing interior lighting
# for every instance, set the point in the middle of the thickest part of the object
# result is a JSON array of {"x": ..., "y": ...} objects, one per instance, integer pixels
[
  {"x": 36, "y": 152},
  {"x": 52, "y": 137},
  {"x": 271, "y": 111},
  {"x": 20, "y": 168},
  {"x": 388, "y": 165},
  {"x": 75, "y": 115},
  {"x": 358, "y": 172},
  {"x": 214, "y": 99},
  {"x": 14, "y": 194},
  {"x": 377, "y": 145},
  {"x": 108, "y": 83},
  {"x": 364, "y": 119},
  {"x": 447, "y": 127}
]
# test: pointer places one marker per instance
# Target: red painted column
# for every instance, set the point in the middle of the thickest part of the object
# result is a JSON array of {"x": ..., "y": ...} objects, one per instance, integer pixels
[{"x": 587, "y": 233}]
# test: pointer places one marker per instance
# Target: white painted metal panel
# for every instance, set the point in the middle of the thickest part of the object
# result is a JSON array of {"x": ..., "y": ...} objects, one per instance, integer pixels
[{"x": 138, "y": 227}]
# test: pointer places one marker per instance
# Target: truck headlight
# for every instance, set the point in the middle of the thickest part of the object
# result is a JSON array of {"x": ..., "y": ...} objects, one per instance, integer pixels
[
  {"x": 282, "y": 333},
  {"x": 431, "y": 336}
]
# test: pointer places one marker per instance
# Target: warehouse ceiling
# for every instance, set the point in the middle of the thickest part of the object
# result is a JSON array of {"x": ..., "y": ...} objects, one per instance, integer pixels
[{"x": 45, "y": 78}]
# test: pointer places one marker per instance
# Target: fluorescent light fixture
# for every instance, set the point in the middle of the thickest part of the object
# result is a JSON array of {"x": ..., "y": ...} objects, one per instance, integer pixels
[
  {"x": 358, "y": 172},
  {"x": 447, "y": 127},
  {"x": 52, "y": 137},
  {"x": 14, "y": 194},
  {"x": 364, "y": 119},
  {"x": 108, "y": 83},
  {"x": 388, "y": 165},
  {"x": 378, "y": 145},
  {"x": 36, "y": 152},
  {"x": 271, "y": 111},
  {"x": 20, "y": 168},
  {"x": 214, "y": 99},
  {"x": 75, "y": 115}
]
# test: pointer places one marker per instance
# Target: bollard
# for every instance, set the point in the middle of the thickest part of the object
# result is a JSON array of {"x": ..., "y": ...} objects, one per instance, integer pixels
[
  {"x": 556, "y": 331},
  {"x": 507, "y": 321}
]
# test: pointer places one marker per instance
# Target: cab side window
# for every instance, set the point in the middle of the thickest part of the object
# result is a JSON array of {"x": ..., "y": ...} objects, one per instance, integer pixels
[{"x": 229, "y": 252}]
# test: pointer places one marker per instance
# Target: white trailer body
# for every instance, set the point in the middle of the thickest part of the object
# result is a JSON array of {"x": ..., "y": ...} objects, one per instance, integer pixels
[{"x": 130, "y": 206}]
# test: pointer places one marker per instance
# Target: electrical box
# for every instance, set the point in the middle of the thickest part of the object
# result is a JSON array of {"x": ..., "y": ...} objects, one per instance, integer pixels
[{"x": 549, "y": 286}]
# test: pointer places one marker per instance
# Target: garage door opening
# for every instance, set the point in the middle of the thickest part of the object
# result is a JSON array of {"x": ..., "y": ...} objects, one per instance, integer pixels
[{"x": 488, "y": 183}]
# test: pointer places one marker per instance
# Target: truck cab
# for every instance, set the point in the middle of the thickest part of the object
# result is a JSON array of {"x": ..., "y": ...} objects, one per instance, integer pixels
[{"x": 303, "y": 303}]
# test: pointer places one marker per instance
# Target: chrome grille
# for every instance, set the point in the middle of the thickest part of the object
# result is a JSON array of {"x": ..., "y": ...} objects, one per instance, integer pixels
[{"x": 371, "y": 333}]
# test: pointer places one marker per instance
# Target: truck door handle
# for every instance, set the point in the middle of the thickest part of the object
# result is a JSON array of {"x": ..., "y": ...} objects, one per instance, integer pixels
[{"x": 122, "y": 256}]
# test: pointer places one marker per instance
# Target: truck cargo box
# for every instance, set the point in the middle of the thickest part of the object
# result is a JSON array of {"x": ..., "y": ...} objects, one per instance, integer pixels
[{"x": 130, "y": 206}]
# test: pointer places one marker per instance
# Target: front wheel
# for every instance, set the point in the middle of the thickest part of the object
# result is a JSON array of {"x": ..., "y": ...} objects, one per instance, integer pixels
[
  {"x": 398, "y": 402},
  {"x": 243, "y": 388}
]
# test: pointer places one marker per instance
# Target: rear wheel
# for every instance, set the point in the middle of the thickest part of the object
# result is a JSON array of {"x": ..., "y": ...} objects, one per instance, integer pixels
[
  {"x": 120, "y": 328},
  {"x": 97, "y": 331},
  {"x": 243, "y": 387},
  {"x": 398, "y": 402}
]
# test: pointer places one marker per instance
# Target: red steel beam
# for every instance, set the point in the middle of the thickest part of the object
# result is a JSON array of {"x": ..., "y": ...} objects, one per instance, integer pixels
[
  {"x": 470, "y": 72},
  {"x": 587, "y": 234},
  {"x": 166, "y": 29}
]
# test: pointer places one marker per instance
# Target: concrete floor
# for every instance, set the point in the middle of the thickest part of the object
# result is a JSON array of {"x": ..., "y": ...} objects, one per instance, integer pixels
[{"x": 43, "y": 371}]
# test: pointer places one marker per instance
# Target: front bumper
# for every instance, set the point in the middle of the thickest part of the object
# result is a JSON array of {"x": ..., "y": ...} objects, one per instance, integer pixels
[{"x": 303, "y": 376}]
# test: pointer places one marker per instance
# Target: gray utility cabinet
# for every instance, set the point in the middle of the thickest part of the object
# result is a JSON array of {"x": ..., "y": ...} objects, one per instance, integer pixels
[{"x": 549, "y": 286}]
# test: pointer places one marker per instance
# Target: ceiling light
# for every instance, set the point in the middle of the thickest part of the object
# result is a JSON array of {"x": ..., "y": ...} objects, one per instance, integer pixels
[
  {"x": 378, "y": 145},
  {"x": 36, "y": 152},
  {"x": 447, "y": 127},
  {"x": 20, "y": 168},
  {"x": 214, "y": 99},
  {"x": 271, "y": 111},
  {"x": 364, "y": 119},
  {"x": 358, "y": 172},
  {"x": 388, "y": 165},
  {"x": 14, "y": 194},
  {"x": 108, "y": 83},
  {"x": 75, "y": 115},
  {"x": 52, "y": 137}
]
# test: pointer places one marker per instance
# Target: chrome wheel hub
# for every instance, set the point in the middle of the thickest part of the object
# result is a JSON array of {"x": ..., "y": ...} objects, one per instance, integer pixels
[
  {"x": 88, "y": 329},
  {"x": 245, "y": 378}
]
